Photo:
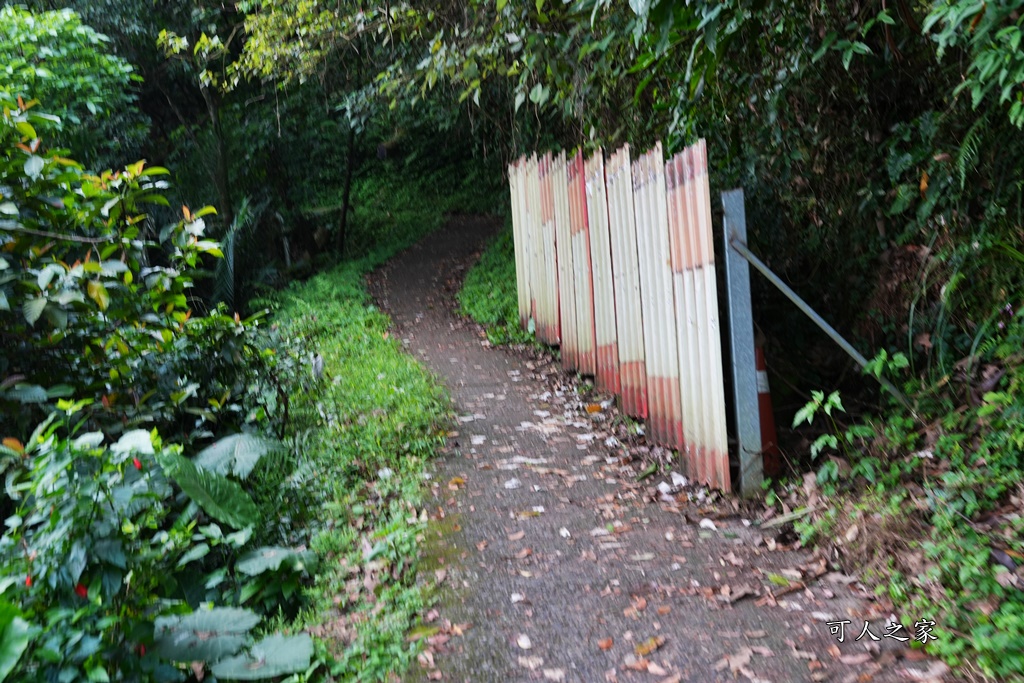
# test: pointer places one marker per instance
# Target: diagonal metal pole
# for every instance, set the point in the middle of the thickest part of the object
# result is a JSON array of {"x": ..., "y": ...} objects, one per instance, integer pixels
[{"x": 741, "y": 247}]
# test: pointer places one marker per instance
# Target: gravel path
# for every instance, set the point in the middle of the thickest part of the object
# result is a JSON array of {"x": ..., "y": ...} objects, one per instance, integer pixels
[{"x": 554, "y": 564}]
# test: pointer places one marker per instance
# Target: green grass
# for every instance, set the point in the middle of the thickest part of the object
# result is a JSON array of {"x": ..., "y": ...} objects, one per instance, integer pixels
[
  {"x": 488, "y": 294},
  {"x": 365, "y": 432}
]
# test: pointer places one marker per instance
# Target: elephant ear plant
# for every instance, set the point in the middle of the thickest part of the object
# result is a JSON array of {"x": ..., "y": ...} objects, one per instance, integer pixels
[{"x": 125, "y": 557}]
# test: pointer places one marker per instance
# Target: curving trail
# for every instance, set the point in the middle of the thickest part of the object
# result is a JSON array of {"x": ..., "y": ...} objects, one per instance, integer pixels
[{"x": 550, "y": 538}]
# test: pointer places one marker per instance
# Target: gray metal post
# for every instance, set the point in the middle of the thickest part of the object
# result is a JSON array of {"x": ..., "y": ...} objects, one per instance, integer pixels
[{"x": 741, "y": 340}]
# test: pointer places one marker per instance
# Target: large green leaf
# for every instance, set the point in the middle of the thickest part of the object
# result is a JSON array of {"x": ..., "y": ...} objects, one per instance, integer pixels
[
  {"x": 236, "y": 454},
  {"x": 219, "y": 497},
  {"x": 273, "y": 656},
  {"x": 205, "y": 635},
  {"x": 270, "y": 558},
  {"x": 15, "y": 635}
]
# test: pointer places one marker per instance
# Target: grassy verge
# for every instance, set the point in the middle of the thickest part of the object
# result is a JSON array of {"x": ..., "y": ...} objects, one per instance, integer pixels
[
  {"x": 488, "y": 294},
  {"x": 364, "y": 431}
]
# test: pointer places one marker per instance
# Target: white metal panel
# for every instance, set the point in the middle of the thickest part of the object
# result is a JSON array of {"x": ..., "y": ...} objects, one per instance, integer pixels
[
  {"x": 582, "y": 267},
  {"x": 626, "y": 281},
  {"x": 658, "y": 301},
  {"x": 601, "y": 261},
  {"x": 548, "y": 323},
  {"x": 703, "y": 391},
  {"x": 563, "y": 245},
  {"x": 520, "y": 237}
]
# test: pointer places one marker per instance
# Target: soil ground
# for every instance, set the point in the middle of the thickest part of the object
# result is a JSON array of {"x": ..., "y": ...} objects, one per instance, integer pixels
[{"x": 554, "y": 563}]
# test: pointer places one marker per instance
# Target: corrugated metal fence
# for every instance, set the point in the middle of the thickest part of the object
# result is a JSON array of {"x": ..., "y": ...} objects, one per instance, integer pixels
[{"x": 615, "y": 262}]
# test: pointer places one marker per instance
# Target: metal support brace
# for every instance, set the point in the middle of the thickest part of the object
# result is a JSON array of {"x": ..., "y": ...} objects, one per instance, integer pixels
[
  {"x": 737, "y": 242},
  {"x": 741, "y": 340}
]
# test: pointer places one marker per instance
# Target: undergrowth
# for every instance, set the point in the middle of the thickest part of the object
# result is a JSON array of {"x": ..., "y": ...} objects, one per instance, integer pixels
[
  {"x": 365, "y": 430},
  {"x": 488, "y": 294},
  {"x": 929, "y": 503}
]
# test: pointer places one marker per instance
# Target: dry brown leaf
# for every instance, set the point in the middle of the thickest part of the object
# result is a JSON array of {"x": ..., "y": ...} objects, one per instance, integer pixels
[
  {"x": 524, "y": 553},
  {"x": 834, "y": 650},
  {"x": 656, "y": 670},
  {"x": 440, "y": 575},
  {"x": 605, "y": 643},
  {"x": 635, "y": 663},
  {"x": 732, "y": 559},
  {"x": 481, "y": 545},
  {"x": 674, "y": 678},
  {"x": 664, "y": 609},
  {"x": 516, "y": 536},
  {"x": 650, "y": 645},
  {"x": 736, "y": 661},
  {"x": 753, "y": 635},
  {"x": 640, "y": 603},
  {"x": 435, "y": 675},
  {"x": 459, "y": 629},
  {"x": 859, "y": 658},
  {"x": 456, "y": 483}
]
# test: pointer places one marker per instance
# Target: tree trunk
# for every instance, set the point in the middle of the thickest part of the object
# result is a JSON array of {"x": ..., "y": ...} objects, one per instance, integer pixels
[
  {"x": 222, "y": 179},
  {"x": 347, "y": 191}
]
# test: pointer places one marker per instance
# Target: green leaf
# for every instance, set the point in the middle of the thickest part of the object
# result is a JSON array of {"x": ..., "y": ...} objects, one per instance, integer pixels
[
  {"x": 501, "y": 4},
  {"x": 33, "y": 308},
  {"x": 34, "y": 166},
  {"x": 135, "y": 441},
  {"x": 219, "y": 497},
  {"x": 205, "y": 635},
  {"x": 15, "y": 635},
  {"x": 266, "y": 559},
  {"x": 236, "y": 454},
  {"x": 98, "y": 293},
  {"x": 9, "y": 208},
  {"x": 273, "y": 656}
]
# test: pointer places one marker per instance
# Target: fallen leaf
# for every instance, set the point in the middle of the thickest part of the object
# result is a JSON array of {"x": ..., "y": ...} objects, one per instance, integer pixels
[
  {"x": 642, "y": 557},
  {"x": 481, "y": 545},
  {"x": 605, "y": 644},
  {"x": 524, "y": 553},
  {"x": 735, "y": 662},
  {"x": 459, "y": 629},
  {"x": 518, "y": 597},
  {"x": 733, "y": 560},
  {"x": 755, "y": 634},
  {"x": 554, "y": 674},
  {"x": 523, "y": 641},
  {"x": 564, "y": 533},
  {"x": 852, "y": 533},
  {"x": 656, "y": 670},
  {"x": 440, "y": 575},
  {"x": 650, "y": 645},
  {"x": 636, "y": 664},
  {"x": 707, "y": 524},
  {"x": 532, "y": 662},
  {"x": 435, "y": 675},
  {"x": 674, "y": 678},
  {"x": 593, "y": 408},
  {"x": 663, "y": 610},
  {"x": 456, "y": 482},
  {"x": 516, "y": 536},
  {"x": 860, "y": 658}
]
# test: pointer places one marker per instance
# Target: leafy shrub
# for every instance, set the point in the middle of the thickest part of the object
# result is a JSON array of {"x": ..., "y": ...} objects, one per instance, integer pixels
[{"x": 55, "y": 57}]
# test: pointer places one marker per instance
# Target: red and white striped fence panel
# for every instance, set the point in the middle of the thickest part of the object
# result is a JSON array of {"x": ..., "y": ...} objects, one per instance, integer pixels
[
  {"x": 582, "y": 271},
  {"x": 607, "y": 376},
  {"x": 700, "y": 353},
  {"x": 629, "y": 322},
  {"x": 563, "y": 250},
  {"x": 617, "y": 264},
  {"x": 661, "y": 341}
]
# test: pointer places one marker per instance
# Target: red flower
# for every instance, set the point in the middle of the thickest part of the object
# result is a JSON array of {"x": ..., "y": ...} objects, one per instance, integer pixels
[
  {"x": 137, "y": 463},
  {"x": 28, "y": 580},
  {"x": 81, "y": 591}
]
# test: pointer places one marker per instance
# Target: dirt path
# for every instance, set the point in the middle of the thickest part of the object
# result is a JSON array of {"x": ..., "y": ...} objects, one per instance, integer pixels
[{"x": 545, "y": 540}]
